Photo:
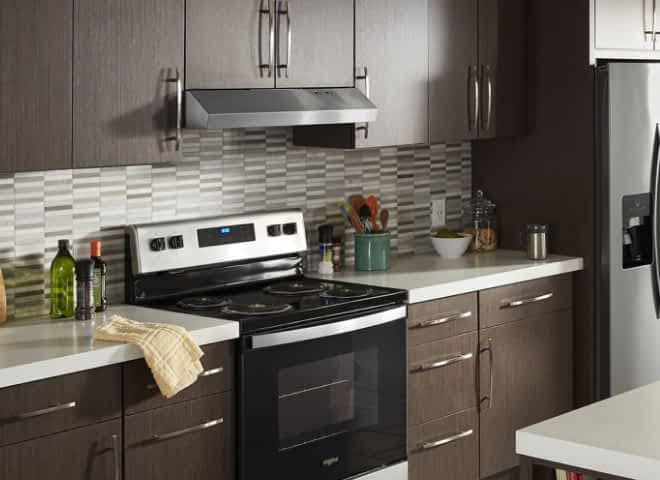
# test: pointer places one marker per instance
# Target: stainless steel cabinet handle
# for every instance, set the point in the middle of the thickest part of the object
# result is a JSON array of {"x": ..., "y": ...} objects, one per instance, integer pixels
[
  {"x": 439, "y": 321},
  {"x": 186, "y": 431},
  {"x": 443, "y": 363},
  {"x": 654, "y": 34},
  {"x": 39, "y": 413},
  {"x": 179, "y": 109},
  {"x": 527, "y": 301},
  {"x": 289, "y": 38},
  {"x": 367, "y": 86},
  {"x": 116, "y": 455},
  {"x": 488, "y": 79},
  {"x": 271, "y": 39},
  {"x": 473, "y": 97},
  {"x": 445, "y": 441},
  {"x": 212, "y": 371},
  {"x": 482, "y": 350}
]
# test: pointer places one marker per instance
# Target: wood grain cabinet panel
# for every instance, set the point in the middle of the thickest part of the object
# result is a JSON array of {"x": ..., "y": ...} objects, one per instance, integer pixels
[
  {"x": 141, "y": 392},
  {"x": 177, "y": 442},
  {"x": 89, "y": 453},
  {"x": 438, "y": 319},
  {"x": 529, "y": 378},
  {"x": 524, "y": 300},
  {"x": 442, "y": 378},
  {"x": 127, "y": 54},
  {"x": 456, "y": 453},
  {"x": 35, "y": 84},
  {"x": 48, "y": 406}
]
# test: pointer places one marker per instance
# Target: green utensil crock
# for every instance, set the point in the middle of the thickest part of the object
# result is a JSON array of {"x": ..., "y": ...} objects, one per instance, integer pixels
[{"x": 372, "y": 251}]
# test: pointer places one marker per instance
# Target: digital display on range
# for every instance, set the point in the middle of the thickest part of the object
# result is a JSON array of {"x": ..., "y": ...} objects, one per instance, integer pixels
[{"x": 225, "y": 235}]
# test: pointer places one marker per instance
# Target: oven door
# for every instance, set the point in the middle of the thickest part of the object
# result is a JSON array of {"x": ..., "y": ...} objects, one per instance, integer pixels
[{"x": 325, "y": 402}]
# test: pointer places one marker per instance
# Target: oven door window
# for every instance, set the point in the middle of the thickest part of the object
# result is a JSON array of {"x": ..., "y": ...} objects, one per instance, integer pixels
[{"x": 325, "y": 409}]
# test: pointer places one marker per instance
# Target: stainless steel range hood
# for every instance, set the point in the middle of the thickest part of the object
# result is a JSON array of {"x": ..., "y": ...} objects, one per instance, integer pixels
[{"x": 218, "y": 109}]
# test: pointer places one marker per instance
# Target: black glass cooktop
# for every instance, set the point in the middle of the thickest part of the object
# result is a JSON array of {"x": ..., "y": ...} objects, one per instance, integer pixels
[{"x": 284, "y": 303}]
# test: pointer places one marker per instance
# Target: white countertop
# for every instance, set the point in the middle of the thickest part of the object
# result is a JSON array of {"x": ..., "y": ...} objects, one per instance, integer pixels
[
  {"x": 47, "y": 348},
  {"x": 429, "y": 277},
  {"x": 619, "y": 436}
]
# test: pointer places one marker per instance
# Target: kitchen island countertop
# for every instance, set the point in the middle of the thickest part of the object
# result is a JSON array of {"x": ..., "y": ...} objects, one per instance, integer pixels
[
  {"x": 44, "y": 348},
  {"x": 429, "y": 277}
]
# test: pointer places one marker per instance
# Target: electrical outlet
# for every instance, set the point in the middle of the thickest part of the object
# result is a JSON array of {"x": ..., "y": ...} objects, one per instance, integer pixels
[{"x": 439, "y": 212}]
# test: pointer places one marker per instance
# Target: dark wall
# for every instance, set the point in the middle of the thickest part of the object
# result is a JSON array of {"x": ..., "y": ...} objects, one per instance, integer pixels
[{"x": 548, "y": 176}]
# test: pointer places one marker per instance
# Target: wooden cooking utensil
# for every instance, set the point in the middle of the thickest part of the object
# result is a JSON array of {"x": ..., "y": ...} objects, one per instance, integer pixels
[
  {"x": 384, "y": 218},
  {"x": 357, "y": 201},
  {"x": 372, "y": 202}
]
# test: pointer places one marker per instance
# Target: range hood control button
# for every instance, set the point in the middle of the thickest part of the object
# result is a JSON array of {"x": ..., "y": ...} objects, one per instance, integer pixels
[
  {"x": 176, "y": 242},
  {"x": 290, "y": 228},
  {"x": 157, "y": 244},
  {"x": 274, "y": 230}
]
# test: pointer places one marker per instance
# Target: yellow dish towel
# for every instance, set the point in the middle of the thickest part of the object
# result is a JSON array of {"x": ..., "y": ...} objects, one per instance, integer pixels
[{"x": 170, "y": 352}]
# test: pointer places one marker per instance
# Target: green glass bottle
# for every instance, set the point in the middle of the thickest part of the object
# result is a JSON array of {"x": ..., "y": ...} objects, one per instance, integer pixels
[{"x": 62, "y": 282}]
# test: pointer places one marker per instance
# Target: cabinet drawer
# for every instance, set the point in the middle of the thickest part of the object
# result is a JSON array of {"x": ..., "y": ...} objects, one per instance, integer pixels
[
  {"x": 442, "y": 378},
  {"x": 447, "y": 448},
  {"x": 141, "y": 392},
  {"x": 522, "y": 300},
  {"x": 193, "y": 439},
  {"x": 438, "y": 319},
  {"x": 48, "y": 406}
]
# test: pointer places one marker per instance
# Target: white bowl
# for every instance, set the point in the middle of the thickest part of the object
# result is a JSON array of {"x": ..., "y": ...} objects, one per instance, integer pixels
[{"x": 452, "y": 247}]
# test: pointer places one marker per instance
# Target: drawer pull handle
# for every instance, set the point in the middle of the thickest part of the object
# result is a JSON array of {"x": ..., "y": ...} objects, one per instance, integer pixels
[
  {"x": 439, "y": 321},
  {"x": 443, "y": 363},
  {"x": 116, "y": 456},
  {"x": 205, "y": 373},
  {"x": 186, "y": 431},
  {"x": 445, "y": 441},
  {"x": 527, "y": 301},
  {"x": 39, "y": 413}
]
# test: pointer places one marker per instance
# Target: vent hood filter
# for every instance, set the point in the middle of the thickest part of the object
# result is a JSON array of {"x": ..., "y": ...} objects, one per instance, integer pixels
[{"x": 218, "y": 109}]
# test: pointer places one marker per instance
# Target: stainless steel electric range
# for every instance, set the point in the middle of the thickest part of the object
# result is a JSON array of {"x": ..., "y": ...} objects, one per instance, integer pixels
[{"x": 322, "y": 364}]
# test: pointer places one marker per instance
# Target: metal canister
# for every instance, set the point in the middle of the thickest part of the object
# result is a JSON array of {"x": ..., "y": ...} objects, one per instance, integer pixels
[{"x": 537, "y": 241}]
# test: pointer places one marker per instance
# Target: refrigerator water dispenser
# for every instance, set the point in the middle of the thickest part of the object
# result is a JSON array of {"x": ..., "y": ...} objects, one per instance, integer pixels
[{"x": 636, "y": 230}]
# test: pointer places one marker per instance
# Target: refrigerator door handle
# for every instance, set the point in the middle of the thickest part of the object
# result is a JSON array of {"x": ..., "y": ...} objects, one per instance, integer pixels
[{"x": 655, "y": 199}]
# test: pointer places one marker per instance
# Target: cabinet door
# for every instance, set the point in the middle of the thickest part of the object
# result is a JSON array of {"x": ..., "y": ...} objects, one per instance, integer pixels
[
  {"x": 127, "y": 54},
  {"x": 392, "y": 45},
  {"x": 226, "y": 42},
  {"x": 319, "y": 36},
  {"x": 194, "y": 440},
  {"x": 502, "y": 60},
  {"x": 35, "y": 80},
  {"x": 453, "y": 70},
  {"x": 622, "y": 24},
  {"x": 531, "y": 379},
  {"x": 90, "y": 453}
]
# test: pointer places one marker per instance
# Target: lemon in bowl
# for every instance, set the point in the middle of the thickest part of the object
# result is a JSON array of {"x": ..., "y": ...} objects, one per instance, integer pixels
[{"x": 450, "y": 244}]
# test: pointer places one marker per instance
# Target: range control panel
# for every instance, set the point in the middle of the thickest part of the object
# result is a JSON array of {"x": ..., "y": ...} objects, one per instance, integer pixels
[{"x": 196, "y": 242}]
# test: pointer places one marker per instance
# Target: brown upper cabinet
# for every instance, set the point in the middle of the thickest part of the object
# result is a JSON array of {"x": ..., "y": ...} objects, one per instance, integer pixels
[
  {"x": 477, "y": 58},
  {"x": 624, "y": 29},
  {"x": 35, "y": 74},
  {"x": 128, "y": 67},
  {"x": 269, "y": 43},
  {"x": 391, "y": 56}
]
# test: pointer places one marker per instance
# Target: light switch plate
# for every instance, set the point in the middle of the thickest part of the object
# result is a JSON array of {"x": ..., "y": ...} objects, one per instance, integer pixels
[{"x": 439, "y": 212}]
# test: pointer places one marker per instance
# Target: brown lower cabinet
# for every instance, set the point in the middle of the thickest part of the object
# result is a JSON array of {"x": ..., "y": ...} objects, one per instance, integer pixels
[
  {"x": 193, "y": 439},
  {"x": 88, "y": 453},
  {"x": 446, "y": 448}
]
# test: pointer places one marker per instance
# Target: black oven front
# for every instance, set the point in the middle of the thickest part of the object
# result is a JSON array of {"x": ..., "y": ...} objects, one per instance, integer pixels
[{"x": 326, "y": 402}]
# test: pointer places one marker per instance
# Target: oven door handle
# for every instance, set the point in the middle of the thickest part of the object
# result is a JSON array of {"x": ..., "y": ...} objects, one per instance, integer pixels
[{"x": 328, "y": 329}]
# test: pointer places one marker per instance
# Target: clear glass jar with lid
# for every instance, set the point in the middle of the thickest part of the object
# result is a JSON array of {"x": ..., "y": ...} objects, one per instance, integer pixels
[{"x": 483, "y": 224}]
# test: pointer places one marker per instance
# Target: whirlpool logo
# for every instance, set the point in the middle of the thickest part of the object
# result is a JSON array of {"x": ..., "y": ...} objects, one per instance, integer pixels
[{"x": 329, "y": 462}]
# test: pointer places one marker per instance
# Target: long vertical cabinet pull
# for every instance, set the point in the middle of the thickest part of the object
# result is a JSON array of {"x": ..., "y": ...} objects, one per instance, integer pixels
[
  {"x": 487, "y": 79},
  {"x": 116, "y": 457},
  {"x": 654, "y": 34},
  {"x": 179, "y": 110},
  {"x": 473, "y": 97},
  {"x": 271, "y": 38},
  {"x": 655, "y": 222},
  {"x": 367, "y": 92},
  {"x": 284, "y": 9},
  {"x": 489, "y": 350}
]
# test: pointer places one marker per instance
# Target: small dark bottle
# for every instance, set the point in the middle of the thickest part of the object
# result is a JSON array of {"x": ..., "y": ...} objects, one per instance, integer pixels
[
  {"x": 85, "y": 290},
  {"x": 100, "y": 273}
]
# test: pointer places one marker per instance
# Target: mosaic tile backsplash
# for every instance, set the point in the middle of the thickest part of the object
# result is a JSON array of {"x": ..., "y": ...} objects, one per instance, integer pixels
[{"x": 222, "y": 172}]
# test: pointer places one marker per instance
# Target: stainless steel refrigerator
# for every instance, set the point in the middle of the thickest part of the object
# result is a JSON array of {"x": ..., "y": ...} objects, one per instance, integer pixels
[{"x": 628, "y": 240}]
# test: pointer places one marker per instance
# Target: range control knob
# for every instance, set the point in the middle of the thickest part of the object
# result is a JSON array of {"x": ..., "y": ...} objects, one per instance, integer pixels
[
  {"x": 274, "y": 230},
  {"x": 157, "y": 244},
  {"x": 176, "y": 242},
  {"x": 290, "y": 228}
]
